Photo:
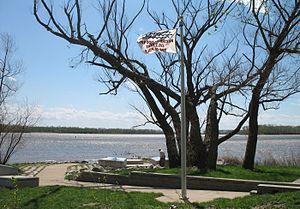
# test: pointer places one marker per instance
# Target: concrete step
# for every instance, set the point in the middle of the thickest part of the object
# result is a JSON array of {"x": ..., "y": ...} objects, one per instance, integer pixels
[
  {"x": 144, "y": 165},
  {"x": 253, "y": 192},
  {"x": 273, "y": 188},
  {"x": 134, "y": 161}
]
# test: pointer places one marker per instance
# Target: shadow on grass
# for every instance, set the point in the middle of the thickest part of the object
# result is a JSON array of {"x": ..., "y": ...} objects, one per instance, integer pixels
[
  {"x": 223, "y": 171},
  {"x": 34, "y": 203}
]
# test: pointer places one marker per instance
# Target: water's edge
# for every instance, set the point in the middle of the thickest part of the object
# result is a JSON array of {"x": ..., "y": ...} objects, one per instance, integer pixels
[{"x": 77, "y": 147}]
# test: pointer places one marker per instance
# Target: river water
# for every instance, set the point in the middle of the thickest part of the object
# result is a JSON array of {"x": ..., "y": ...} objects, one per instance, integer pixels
[{"x": 70, "y": 147}]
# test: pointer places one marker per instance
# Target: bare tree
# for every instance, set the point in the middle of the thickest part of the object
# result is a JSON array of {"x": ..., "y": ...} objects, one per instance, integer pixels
[
  {"x": 13, "y": 121},
  {"x": 12, "y": 128},
  {"x": 9, "y": 69},
  {"x": 275, "y": 26},
  {"x": 213, "y": 73}
]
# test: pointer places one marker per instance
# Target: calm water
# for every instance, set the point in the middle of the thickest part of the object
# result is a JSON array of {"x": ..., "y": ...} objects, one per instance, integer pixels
[{"x": 70, "y": 147}]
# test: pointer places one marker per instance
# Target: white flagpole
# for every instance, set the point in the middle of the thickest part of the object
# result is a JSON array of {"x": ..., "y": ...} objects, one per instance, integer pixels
[{"x": 183, "y": 118}]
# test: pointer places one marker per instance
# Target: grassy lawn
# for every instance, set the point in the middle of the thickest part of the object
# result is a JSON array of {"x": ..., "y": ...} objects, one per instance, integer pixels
[
  {"x": 279, "y": 200},
  {"x": 264, "y": 173},
  {"x": 70, "y": 197}
]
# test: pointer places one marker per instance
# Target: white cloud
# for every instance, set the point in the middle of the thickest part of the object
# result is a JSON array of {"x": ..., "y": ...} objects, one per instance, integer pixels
[
  {"x": 283, "y": 116},
  {"x": 275, "y": 118},
  {"x": 70, "y": 116},
  {"x": 229, "y": 122}
]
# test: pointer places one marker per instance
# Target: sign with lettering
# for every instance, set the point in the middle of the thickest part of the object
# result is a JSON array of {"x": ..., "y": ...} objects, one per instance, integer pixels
[{"x": 158, "y": 41}]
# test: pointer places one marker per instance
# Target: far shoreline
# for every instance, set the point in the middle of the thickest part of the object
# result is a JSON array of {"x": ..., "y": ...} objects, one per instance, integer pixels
[
  {"x": 263, "y": 130},
  {"x": 79, "y": 130}
]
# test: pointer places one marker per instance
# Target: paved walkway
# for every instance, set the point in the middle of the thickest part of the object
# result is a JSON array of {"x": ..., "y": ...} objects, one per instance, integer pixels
[
  {"x": 297, "y": 181},
  {"x": 54, "y": 175}
]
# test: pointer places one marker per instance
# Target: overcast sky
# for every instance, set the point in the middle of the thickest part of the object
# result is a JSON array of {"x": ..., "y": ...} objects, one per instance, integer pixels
[{"x": 65, "y": 96}]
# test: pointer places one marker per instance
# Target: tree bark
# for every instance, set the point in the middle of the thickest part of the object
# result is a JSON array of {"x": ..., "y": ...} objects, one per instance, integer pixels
[
  {"x": 249, "y": 158},
  {"x": 196, "y": 150},
  {"x": 212, "y": 134},
  {"x": 174, "y": 158}
]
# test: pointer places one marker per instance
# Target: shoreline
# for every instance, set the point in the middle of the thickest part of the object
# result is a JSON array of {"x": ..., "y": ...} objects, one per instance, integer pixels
[{"x": 74, "y": 147}]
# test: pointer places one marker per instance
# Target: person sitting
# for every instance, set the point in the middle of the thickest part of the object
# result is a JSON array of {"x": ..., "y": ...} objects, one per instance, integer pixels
[{"x": 162, "y": 158}]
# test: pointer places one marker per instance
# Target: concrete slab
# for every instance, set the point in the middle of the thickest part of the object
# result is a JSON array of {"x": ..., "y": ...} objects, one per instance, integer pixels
[
  {"x": 144, "y": 165},
  {"x": 271, "y": 189},
  {"x": 53, "y": 174},
  {"x": 113, "y": 162},
  {"x": 8, "y": 170},
  {"x": 297, "y": 181},
  {"x": 133, "y": 161},
  {"x": 173, "y": 195},
  {"x": 21, "y": 181}
]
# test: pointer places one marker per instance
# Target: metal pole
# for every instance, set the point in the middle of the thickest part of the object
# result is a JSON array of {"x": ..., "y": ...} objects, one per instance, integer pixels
[{"x": 183, "y": 118}]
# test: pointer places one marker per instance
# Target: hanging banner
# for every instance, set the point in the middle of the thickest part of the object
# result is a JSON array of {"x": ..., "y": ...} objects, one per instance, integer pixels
[{"x": 158, "y": 41}]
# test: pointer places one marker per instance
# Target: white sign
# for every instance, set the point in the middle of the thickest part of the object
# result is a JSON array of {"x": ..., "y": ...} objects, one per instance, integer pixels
[{"x": 158, "y": 41}]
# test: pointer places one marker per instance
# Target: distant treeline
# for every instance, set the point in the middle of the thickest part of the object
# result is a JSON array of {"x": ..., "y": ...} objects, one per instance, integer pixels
[
  {"x": 262, "y": 129},
  {"x": 276, "y": 130},
  {"x": 75, "y": 130}
]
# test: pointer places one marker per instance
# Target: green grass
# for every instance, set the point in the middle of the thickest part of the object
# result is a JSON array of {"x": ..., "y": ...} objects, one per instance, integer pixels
[
  {"x": 263, "y": 173},
  {"x": 60, "y": 197},
  {"x": 290, "y": 200},
  {"x": 71, "y": 197}
]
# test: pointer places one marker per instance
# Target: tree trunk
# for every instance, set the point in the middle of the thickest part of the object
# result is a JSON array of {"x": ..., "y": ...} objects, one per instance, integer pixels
[
  {"x": 249, "y": 158},
  {"x": 172, "y": 137},
  {"x": 174, "y": 159},
  {"x": 196, "y": 150},
  {"x": 211, "y": 135},
  {"x": 166, "y": 128},
  {"x": 275, "y": 49}
]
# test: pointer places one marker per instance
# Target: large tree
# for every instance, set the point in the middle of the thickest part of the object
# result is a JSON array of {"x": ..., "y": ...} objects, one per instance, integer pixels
[
  {"x": 214, "y": 71},
  {"x": 275, "y": 47}
]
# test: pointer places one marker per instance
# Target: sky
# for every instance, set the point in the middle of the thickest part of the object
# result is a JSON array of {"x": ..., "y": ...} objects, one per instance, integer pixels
[{"x": 65, "y": 96}]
